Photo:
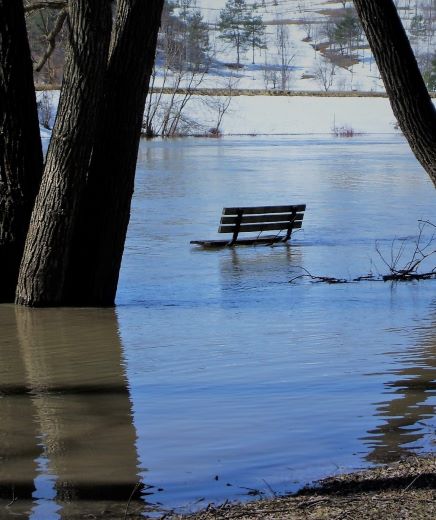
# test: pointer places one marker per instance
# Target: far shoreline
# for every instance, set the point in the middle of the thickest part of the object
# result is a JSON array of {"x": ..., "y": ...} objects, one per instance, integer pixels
[{"x": 256, "y": 92}]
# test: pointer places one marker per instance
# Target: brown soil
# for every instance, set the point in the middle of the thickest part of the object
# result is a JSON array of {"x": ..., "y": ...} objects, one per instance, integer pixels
[
  {"x": 258, "y": 92},
  {"x": 341, "y": 60},
  {"x": 333, "y": 13}
]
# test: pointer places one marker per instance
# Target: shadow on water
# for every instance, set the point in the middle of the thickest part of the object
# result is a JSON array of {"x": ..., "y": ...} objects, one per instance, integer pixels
[
  {"x": 66, "y": 423},
  {"x": 410, "y": 406}
]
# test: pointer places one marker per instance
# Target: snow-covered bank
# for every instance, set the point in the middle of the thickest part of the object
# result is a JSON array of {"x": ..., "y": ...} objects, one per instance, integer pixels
[
  {"x": 296, "y": 115},
  {"x": 286, "y": 114}
]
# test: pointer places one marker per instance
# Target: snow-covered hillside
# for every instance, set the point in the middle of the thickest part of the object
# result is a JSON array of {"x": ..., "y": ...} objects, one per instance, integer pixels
[{"x": 304, "y": 21}]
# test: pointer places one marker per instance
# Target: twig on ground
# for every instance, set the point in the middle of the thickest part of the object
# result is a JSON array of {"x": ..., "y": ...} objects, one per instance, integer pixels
[
  {"x": 274, "y": 494},
  {"x": 14, "y": 498},
  {"x": 411, "y": 484}
]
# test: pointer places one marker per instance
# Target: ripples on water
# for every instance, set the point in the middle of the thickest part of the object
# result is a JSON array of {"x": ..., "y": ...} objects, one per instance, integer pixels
[{"x": 214, "y": 375}]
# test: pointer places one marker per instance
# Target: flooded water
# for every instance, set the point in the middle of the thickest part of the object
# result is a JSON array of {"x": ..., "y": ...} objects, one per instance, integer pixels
[{"x": 215, "y": 378}]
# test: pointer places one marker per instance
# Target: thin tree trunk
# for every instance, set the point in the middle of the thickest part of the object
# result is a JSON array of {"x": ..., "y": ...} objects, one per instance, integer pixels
[
  {"x": 99, "y": 239},
  {"x": 404, "y": 84},
  {"x": 21, "y": 159},
  {"x": 46, "y": 254}
]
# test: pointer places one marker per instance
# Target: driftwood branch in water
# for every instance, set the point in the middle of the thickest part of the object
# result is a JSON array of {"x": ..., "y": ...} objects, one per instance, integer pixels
[
  {"x": 318, "y": 279},
  {"x": 422, "y": 251},
  {"x": 399, "y": 271},
  {"x": 398, "y": 277}
]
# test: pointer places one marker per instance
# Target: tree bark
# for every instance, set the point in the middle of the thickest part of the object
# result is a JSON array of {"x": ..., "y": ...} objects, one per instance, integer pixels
[
  {"x": 100, "y": 236},
  {"x": 46, "y": 254},
  {"x": 21, "y": 159},
  {"x": 404, "y": 85}
]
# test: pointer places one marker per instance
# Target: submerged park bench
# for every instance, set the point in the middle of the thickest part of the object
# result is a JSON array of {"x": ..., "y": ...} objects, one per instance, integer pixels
[{"x": 257, "y": 220}]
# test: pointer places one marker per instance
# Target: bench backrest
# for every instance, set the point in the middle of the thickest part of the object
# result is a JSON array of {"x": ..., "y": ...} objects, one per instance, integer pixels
[{"x": 262, "y": 218}]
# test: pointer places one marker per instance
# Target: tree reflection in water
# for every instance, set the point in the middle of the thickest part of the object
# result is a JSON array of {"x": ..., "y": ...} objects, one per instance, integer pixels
[
  {"x": 412, "y": 406},
  {"x": 67, "y": 430}
]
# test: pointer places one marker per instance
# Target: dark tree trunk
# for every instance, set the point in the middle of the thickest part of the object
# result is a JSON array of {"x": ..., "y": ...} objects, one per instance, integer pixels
[
  {"x": 99, "y": 239},
  {"x": 45, "y": 258},
  {"x": 21, "y": 159},
  {"x": 405, "y": 87}
]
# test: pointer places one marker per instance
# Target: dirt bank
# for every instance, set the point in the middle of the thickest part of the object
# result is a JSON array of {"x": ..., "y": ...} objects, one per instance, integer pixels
[{"x": 257, "y": 92}]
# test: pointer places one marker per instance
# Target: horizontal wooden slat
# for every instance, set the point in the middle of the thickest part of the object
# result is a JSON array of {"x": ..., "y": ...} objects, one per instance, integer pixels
[
  {"x": 259, "y": 227},
  {"x": 253, "y": 219},
  {"x": 264, "y": 209}
]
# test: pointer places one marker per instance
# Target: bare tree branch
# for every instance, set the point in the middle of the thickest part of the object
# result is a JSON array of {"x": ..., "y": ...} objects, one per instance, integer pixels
[
  {"x": 51, "y": 39},
  {"x": 48, "y": 4},
  {"x": 318, "y": 279},
  {"x": 407, "y": 272}
]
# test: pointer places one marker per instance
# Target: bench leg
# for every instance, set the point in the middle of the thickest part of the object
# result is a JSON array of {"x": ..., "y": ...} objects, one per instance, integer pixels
[
  {"x": 237, "y": 227},
  {"x": 291, "y": 221}
]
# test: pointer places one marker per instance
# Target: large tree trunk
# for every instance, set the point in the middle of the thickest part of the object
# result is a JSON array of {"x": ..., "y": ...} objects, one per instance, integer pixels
[
  {"x": 21, "y": 159},
  {"x": 99, "y": 239},
  {"x": 405, "y": 87},
  {"x": 45, "y": 258}
]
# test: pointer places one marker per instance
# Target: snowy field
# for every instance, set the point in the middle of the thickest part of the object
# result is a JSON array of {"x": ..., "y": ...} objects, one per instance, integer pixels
[
  {"x": 271, "y": 115},
  {"x": 286, "y": 115},
  {"x": 300, "y": 115}
]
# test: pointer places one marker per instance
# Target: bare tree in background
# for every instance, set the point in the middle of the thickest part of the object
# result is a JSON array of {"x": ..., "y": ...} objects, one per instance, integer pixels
[
  {"x": 325, "y": 73},
  {"x": 220, "y": 104},
  {"x": 184, "y": 58},
  {"x": 284, "y": 54}
]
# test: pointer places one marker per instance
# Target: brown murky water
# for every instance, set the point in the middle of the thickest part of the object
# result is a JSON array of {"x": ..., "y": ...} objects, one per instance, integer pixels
[{"x": 66, "y": 418}]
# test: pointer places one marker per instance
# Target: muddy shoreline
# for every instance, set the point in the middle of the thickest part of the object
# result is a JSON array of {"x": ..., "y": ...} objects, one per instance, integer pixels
[
  {"x": 404, "y": 490},
  {"x": 401, "y": 490}
]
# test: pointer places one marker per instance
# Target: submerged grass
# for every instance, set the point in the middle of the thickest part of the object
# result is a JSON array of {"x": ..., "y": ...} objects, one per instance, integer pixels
[{"x": 402, "y": 490}]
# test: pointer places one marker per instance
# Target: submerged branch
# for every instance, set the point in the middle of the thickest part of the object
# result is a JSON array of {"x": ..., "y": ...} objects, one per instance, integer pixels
[
  {"x": 399, "y": 270},
  {"x": 318, "y": 279}
]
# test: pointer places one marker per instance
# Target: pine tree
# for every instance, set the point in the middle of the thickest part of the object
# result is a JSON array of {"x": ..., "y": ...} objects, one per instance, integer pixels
[
  {"x": 197, "y": 41},
  {"x": 233, "y": 26},
  {"x": 256, "y": 31}
]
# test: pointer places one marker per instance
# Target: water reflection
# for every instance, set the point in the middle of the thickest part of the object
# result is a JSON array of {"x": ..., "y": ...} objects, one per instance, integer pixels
[
  {"x": 65, "y": 392},
  {"x": 410, "y": 406},
  {"x": 241, "y": 268},
  {"x": 19, "y": 447}
]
